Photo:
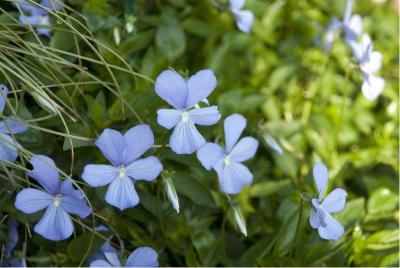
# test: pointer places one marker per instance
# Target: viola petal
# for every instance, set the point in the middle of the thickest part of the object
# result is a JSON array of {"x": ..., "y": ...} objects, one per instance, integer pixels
[
  {"x": 122, "y": 194},
  {"x": 143, "y": 257},
  {"x": 139, "y": 139},
  {"x": 171, "y": 87},
  {"x": 55, "y": 224},
  {"x": 200, "y": 86},
  {"x": 209, "y": 154},
  {"x": 185, "y": 138}
]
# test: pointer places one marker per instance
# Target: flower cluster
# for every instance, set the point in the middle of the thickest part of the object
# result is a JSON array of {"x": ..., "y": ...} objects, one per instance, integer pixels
[
  {"x": 190, "y": 108},
  {"x": 369, "y": 61},
  {"x": 37, "y": 15}
]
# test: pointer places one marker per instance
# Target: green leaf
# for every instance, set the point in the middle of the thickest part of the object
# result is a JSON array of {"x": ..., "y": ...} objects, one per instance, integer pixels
[
  {"x": 170, "y": 38},
  {"x": 79, "y": 246},
  {"x": 263, "y": 189},
  {"x": 383, "y": 240},
  {"x": 382, "y": 201},
  {"x": 194, "y": 190},
  {"x": 353, "y": 212}
]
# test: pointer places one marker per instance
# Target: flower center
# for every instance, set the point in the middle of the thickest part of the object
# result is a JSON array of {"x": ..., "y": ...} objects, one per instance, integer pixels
[
  {"x": 185, "y": 116},
  {"x": 122, "y": 171},
  {"x": 227, "y": 160},
  {"x": 57, "y": 200}
]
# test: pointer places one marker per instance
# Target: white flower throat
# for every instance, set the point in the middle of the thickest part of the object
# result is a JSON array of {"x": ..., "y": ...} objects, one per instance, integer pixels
[
  {"x": 57, "y": 200},
  {"x": 227, "y": 160},
  {"x": 185, "y": 116},
  {"x": 122, "y": 171}
]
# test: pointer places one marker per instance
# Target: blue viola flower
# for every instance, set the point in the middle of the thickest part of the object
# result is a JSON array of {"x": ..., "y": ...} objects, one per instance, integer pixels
[
  {"x": 370, "y": 63},
  {"x": 11, "y": 125},
  {"x": 183, "y": 96},
  {"x": 123, "y": 151},
  {"x": 104, "y": 248},
  {"x": 321, "y": 218},
  {"x": 13, "y": 235},
  {"x": 38, "y": 15},
  {"x": 244, "y": 18},
  {"x": 140, "y": 257},
  {"x": 58, "y": 199},
  {"x": 232, "y": 174}
]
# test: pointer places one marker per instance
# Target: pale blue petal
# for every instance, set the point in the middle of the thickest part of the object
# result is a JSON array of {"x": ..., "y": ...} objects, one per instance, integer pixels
[
  {"x": 113, "y": 146},
  {"x": 99, "y": 175},
  {"x": 122, "y": 194},
  {"x": 171, "y": 87},
  {"x": 185, "y": 138},
  {"x": 44, "y": 31},
  {"x": 353, "y": 29},
  {"x": 144, "y": 169},
  {"x": 112, "y": 258},
  {"x": 54, "y": 4},
  {"x": 372, "y": 87},
  {"x": 143, "y": 257},
  {"x": 3, "y": 96},
  {"x": 233, "y": 127},
  {"x": 205, "y": 116},
  {"x": 12, "y": 235},
  {"x": 73, "y": 200},
  {"x": 320, "y": 213},
  {"x": 320, "y": 173},
  {"x": 330, "y": 34},
  {"x": 372, "y": 63},
  {"x": 13, "y": 124},
  {"x": 32, "y": 200},
  {"x": 139, "y": 139},
  {"x": 168, "y": 118},
  {"x": 55, "y": 224},
  {"x": 233, "y": 177},
  {"x": 200, "y": 86},
  {"x": 314, "y": 222},
  {"x": 359, "y": 49},
  {"x": 31, "y": 20},
  {"x": 45, "y": 172},
  {"x": 66, "y": 188},
  {"x": 273, "y": 144},
  {"x": 75, "y": 206},
  {"x": 100, "y": 263},
  {"x": 333, "y": 229},
  {"x": 347, "y": 11},
  {"x": 209, "y": 154},
  {"x": 245, "y": 149},
  {"x": 236, "y": 5},
  {"x": 335, "y": 201},
  {"x": 244, "y": 20},
  {"x": 8, "y": 148}
]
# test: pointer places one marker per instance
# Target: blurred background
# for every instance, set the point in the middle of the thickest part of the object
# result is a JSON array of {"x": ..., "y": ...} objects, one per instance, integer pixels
[{"x": 98, "y": 69}]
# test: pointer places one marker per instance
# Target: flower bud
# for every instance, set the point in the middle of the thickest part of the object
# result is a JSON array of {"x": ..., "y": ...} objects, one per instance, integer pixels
[
  {"x": 117, "y": 36},
  {"x": 240, "y": 222},
  {"x": 171, "y": 192}
]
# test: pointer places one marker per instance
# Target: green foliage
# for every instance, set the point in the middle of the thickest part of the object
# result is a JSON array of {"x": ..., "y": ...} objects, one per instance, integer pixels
[{"x": 71, "y": 87}]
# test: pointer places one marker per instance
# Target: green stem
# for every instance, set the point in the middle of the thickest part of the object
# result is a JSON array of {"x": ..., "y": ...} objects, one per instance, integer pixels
[{"x": 297, "y": 227}]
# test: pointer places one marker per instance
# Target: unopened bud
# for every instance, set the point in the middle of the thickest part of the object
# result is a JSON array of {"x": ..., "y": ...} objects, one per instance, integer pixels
[
  {"x": 117, "y": 36},
  {"x": 239, "y": 219},
  {"x": 171, "y": 192}
]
